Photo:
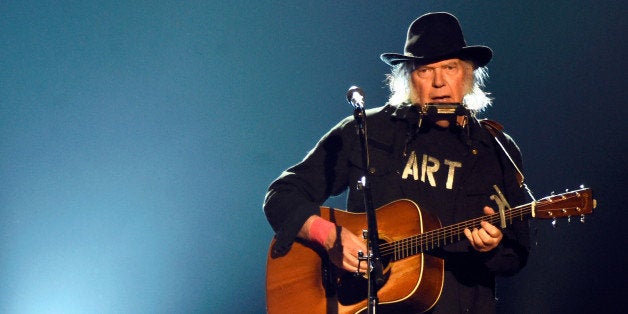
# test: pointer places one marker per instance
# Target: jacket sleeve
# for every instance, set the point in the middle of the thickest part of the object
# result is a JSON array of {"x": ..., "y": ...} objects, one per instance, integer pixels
[
  {"x": 512, "y": 253},
  {"x": 299, "y": 191}
]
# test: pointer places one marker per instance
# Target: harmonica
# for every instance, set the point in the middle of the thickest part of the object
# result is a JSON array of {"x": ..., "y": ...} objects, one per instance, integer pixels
[{"x": 432, "y": 109}]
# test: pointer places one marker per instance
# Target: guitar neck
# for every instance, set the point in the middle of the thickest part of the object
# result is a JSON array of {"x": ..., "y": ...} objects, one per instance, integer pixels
[
  {"x": 436, "y": 238},
  {"x": 578, "y": 202}
]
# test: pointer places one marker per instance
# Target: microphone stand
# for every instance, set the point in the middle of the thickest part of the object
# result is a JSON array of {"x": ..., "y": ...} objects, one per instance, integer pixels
[{"x": 374, "y": 270}]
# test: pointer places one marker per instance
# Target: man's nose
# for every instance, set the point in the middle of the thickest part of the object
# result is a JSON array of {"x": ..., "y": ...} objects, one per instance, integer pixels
[{"x": 437, "y": 80}]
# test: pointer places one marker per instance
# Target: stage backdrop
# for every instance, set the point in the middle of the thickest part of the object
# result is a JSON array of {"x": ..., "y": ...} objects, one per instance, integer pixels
[{"x": 137, "y": 140}]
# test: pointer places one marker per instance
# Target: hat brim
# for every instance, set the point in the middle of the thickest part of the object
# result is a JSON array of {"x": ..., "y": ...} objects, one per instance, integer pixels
[{"x": 479, "y": 55}]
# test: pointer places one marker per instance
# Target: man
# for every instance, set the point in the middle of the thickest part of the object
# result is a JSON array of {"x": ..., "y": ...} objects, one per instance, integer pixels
[{"x": 446, "y": 163}]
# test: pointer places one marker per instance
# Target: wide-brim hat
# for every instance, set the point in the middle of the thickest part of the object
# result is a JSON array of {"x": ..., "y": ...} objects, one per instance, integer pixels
[{"x": 437, "y": 36}]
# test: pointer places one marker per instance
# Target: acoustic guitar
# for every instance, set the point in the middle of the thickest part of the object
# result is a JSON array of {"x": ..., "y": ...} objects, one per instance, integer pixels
[{"x": 305, "y": 281}]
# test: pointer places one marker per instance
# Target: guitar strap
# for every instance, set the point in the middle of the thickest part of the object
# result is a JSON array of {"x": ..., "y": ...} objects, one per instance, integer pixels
[{"x": 495, "y": 128}]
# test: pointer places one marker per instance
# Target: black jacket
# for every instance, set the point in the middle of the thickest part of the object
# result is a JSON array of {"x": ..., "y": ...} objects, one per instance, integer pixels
[{"x": 449, "y": 173}]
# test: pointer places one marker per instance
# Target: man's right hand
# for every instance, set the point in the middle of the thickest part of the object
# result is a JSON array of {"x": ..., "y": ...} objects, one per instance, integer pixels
[
  {"x": 344, "y": 252},
  {"x": 340, "y": 243}
]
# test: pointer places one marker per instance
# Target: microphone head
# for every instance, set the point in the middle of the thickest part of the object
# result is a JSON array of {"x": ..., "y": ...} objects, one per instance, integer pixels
[{"x": 355, "y": 96}]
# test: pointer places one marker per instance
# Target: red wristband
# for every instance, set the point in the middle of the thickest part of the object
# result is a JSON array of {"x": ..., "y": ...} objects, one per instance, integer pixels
[{"x": 320, "y": 229}]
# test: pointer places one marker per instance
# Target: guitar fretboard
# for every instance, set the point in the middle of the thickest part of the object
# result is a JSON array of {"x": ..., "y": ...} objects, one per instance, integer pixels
[
  {"x": 436, "y": 238},
  {"x": 577, "y": 202}
]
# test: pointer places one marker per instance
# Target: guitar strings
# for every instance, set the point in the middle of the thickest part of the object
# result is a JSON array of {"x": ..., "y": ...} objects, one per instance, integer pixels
[
  {"x": 435, "y": 238},
  {"x": 432, "y": 239}
]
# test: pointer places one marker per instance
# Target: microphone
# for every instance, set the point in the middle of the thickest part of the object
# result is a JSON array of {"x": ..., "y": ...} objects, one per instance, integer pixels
[{"x": 355, "y": 96}]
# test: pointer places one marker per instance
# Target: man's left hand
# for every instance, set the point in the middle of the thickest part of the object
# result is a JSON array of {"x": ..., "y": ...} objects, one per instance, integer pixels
[{"x": 487, "y": 237}]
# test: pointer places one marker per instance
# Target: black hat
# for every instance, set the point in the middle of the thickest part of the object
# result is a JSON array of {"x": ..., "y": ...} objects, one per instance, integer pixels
[{"x": 438, "y": 36}]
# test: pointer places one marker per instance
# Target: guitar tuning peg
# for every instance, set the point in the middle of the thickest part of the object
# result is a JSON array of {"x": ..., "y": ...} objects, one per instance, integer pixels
[
  {"x": 582, "y": 186},
  {"x": 554, "y": 222},
  {"x": 581, "y": 218},
  {"x": 566, "y": 190},
  {"x": 553, "y": 193},
  {"x": 569, "y": 219}
]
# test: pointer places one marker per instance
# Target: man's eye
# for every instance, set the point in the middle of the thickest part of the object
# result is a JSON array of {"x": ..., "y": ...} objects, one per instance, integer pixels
[{"x": 450, "y": 68}]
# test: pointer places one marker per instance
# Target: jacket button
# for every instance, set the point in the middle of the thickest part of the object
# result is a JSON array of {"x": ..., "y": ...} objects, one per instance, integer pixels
[
  {"x": 474, "y": 151},
  {"x": 372, "y": 170}
]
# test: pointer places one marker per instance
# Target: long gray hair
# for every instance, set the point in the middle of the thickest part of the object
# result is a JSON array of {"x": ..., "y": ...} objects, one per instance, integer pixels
[{"x": 399, "y": 82}]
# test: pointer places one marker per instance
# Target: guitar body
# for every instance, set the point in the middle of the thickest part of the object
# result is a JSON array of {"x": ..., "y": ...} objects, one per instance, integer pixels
[{"x": 305, "y": 281}]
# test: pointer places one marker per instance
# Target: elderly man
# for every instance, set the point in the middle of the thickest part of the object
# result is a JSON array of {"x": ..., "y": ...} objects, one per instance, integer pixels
[{"x": 447, "y": 162}]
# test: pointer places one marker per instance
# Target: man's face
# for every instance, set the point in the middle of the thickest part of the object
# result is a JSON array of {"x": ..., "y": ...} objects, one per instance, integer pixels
[
  {"x": 442, "y": 82},
  {"x": 446, "y": 81}
]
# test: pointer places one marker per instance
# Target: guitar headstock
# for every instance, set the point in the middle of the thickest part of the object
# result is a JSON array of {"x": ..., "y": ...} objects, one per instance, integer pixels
[{"x": 574, "y": 203}]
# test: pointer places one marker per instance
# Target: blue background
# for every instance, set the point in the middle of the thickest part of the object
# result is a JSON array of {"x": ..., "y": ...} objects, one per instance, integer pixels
[{"x": 137, "y": 140}]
